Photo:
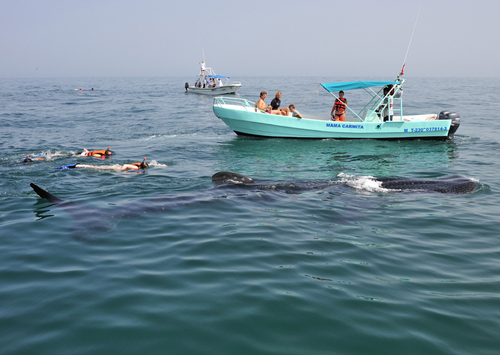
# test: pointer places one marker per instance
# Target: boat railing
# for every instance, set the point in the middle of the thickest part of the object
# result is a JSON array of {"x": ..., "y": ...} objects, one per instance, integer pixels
[
  {"x": 375, "y": 108},
  {"x": 234, "y": 101}
]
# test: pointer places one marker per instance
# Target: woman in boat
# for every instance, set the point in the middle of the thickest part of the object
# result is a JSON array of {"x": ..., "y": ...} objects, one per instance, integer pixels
[
  {"x": 275, "y": 104},
  {"x": 339, "y": 108}
]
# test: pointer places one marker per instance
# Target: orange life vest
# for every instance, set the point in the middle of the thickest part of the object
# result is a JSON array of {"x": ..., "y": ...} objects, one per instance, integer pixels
[
  {"x": 340, "y": 105},
  {"x": 95, "y": 152}
]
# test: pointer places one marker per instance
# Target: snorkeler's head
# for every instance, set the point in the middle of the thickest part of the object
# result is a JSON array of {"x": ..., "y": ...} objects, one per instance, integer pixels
[
  {"x": 108, "y": 151},
  {"x": 27, "y": 160},
  {"x": 144, "y": 165}
]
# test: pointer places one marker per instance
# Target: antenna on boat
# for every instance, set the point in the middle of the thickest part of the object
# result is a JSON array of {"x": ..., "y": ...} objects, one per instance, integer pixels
[
  {"x": 408, "y": 49},
  {"x": 203, "y": 51}
]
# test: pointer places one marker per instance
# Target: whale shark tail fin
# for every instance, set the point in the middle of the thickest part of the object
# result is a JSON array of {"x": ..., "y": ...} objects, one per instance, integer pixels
[
  {"x": 88, "y": 220},
  {"x": 230, "y": 176},
  {"x": 45, "y": 194}
]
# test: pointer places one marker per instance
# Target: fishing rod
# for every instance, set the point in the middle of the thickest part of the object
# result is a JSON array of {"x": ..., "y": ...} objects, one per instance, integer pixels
[{"x": 409, "y": 44}]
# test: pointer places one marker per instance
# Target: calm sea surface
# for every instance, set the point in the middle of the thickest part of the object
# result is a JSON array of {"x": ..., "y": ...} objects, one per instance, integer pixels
[{"x": 347, "y": 269}]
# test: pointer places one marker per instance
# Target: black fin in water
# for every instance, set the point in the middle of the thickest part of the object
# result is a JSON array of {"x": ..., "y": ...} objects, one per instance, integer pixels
[{"x": 45, "y": 194}]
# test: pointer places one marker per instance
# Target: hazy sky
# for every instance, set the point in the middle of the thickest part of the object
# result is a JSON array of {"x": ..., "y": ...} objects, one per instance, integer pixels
[{"x": 80, "y": 38}]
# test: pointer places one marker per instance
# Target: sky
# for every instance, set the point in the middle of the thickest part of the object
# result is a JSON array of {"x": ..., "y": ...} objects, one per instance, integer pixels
[{"x": 153, "y": 38}]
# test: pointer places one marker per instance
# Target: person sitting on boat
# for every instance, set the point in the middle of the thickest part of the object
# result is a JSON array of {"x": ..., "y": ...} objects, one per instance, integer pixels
[
  {"x": 95, "y": 153},
  {"x": 219, "y": 83},
  {"x": 339, "y": 107},
  {"x": 261, "y": 105},
  {"x": 275, "y": 104},
  {"x": 294, "y": 112},
  {"x": 134, "y": 166}
]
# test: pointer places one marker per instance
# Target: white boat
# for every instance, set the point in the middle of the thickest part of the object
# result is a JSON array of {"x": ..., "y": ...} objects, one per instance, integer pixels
[
  {"x": 209, "y": 83},
  {"x": 244, "y": 119}
]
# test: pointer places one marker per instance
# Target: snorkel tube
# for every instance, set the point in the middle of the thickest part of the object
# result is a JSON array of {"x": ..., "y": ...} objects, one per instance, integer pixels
[
  {"x": 27, "y": 160},
  {"x": 144, "y": 165}
]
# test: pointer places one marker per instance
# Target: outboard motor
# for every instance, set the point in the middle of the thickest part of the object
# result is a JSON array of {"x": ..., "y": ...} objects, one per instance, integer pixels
[
  {"x": 455, "y": 121},
  {"x": 186, "y": 86}
]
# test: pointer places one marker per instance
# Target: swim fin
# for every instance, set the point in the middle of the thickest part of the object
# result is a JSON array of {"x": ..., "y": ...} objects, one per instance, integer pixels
[{"x": 70, "y": 166}]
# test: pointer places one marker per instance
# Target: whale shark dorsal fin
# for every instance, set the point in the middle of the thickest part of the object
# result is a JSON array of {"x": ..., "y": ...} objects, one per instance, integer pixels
[
  {"x": 231, "y": 176},
  {"x": 45, "y": 194}
]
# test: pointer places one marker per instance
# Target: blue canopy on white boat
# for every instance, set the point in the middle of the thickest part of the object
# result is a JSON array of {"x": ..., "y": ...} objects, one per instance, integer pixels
[
  {"x": 353, "y": 85},
  {"x": 218, "y": 76}
]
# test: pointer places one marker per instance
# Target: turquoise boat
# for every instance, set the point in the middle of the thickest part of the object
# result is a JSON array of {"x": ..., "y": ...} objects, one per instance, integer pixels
[{"x": 245, "y": 119}]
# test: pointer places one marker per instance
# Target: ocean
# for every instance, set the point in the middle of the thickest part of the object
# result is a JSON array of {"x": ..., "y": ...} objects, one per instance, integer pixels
[{"x": 346, "y": 269}]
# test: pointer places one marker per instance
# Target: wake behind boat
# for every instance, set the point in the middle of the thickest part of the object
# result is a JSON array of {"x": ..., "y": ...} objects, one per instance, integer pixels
[
  {"x": 209, "y": 83},
  {"x": 381, "y": 118}
]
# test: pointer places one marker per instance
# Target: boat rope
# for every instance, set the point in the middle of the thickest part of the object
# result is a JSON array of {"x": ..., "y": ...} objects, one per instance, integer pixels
[
  {"x": 307, "y": 98},
  {"x": 409, "y": 44}
]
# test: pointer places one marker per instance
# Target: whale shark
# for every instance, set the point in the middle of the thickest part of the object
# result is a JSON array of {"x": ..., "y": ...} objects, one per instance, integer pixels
[
  {"x": 90, "y": 220},
  {"x": 454, "y": 184}
]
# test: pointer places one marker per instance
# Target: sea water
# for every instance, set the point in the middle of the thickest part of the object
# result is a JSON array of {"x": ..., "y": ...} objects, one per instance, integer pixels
[{"x": 346, "y": 269}]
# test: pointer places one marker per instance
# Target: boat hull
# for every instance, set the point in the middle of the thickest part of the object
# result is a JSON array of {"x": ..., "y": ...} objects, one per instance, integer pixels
[
  {"x": 222, "y": 90},
  {"x": 248, "y": 122}
]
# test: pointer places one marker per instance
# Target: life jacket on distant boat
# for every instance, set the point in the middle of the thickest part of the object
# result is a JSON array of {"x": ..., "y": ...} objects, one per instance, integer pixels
[{"x": 340, "y": 104}]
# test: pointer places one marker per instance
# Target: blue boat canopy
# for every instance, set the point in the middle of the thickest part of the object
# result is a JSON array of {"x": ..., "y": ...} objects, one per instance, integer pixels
[
  {"x": 353, "y": 85},
  {"x": 218, "y": 76}
]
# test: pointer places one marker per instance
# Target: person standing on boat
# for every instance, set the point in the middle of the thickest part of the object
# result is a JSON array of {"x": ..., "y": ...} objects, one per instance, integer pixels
[
  {"x": 202, "y": 67},
  {"x": 339, "y": 108},
  {"x": 387, "y": 105}
]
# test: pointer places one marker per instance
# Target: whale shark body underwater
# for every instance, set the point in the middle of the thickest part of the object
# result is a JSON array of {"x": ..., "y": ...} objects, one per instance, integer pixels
[{"x": 90, "y": 220}]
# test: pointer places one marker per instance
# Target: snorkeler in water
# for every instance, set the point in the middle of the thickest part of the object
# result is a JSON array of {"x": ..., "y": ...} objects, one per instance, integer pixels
[
  {"x": 24, "y": 161},
  {"x": 95, "y": 153},
  {"x": 134, "y": 166}
]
